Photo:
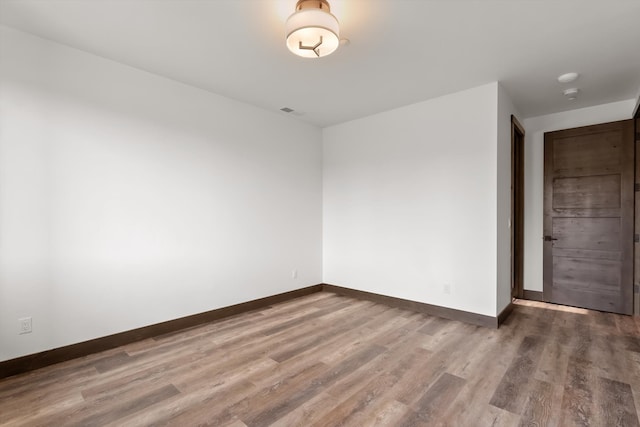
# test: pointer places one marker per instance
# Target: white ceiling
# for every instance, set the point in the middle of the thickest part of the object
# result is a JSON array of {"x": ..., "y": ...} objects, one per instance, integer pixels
[{"x": 401, "y": 51}]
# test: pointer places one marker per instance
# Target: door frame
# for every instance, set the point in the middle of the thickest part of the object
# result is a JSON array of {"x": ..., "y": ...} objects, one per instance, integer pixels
[{"x": 517, "y": 208}]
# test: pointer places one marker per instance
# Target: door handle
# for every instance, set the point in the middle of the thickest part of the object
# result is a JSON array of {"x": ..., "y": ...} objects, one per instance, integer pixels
[{"x": 549, "y": 238}]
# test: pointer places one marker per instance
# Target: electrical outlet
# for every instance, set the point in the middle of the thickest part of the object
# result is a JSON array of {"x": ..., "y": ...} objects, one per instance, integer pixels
[
  {"x": 24, "y": 325},
  {"x": 447, "y": 288},
  {"x": 294, "y": 274}
]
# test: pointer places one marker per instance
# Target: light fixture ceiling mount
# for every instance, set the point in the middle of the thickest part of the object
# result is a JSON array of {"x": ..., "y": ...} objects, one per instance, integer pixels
[{"x": 312, "y": 31}]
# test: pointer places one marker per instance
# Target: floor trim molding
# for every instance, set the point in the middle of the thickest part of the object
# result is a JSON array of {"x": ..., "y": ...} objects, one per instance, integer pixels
[
  {"x": 533, "y": 295},
  {"x": 504, "y": 314},
  {"x": 421, "y": 307},
  {"x": 35, "y": 361}
]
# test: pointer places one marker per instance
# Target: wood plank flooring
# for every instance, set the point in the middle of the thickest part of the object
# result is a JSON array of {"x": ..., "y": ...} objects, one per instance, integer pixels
[{"x": 329, "y": 360}]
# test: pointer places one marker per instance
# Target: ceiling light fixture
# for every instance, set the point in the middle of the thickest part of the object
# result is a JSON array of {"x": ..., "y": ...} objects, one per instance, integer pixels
[{"x": 312, "y": 31}]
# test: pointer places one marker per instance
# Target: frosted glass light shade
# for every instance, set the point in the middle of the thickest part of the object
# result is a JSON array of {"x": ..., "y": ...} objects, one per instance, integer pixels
[{"x": 312, "y": 33}]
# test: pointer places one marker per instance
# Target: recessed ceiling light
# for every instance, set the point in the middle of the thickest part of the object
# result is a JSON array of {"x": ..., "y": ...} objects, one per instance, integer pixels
[{"x": 568, "y": 77}]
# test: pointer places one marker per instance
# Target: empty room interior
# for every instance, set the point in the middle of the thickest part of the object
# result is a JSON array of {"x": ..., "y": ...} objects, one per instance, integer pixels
[{"x": 319, "y": 213}]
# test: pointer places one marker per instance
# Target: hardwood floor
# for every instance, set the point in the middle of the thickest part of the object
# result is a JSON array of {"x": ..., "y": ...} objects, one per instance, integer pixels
[{"x": 329, "y": 360}]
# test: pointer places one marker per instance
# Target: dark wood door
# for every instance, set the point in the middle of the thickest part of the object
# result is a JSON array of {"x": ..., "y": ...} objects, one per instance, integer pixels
[{"x": 588, "y": 217}]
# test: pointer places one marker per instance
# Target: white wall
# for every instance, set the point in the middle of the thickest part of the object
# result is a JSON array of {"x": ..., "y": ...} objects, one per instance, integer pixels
[
  {"x": 505, "y": 110},
  {"x": 410, "y": 202},
  {"x": 128, "y": 199},
  {"x": 535, "y": 128}
]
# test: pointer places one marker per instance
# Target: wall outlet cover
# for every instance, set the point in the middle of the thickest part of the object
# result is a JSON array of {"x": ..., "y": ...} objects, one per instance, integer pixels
[{"x": 24, "y": 325}]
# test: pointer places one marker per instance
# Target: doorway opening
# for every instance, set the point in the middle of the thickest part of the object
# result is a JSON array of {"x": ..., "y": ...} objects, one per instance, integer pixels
[{"x": 517, "y": 209}]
